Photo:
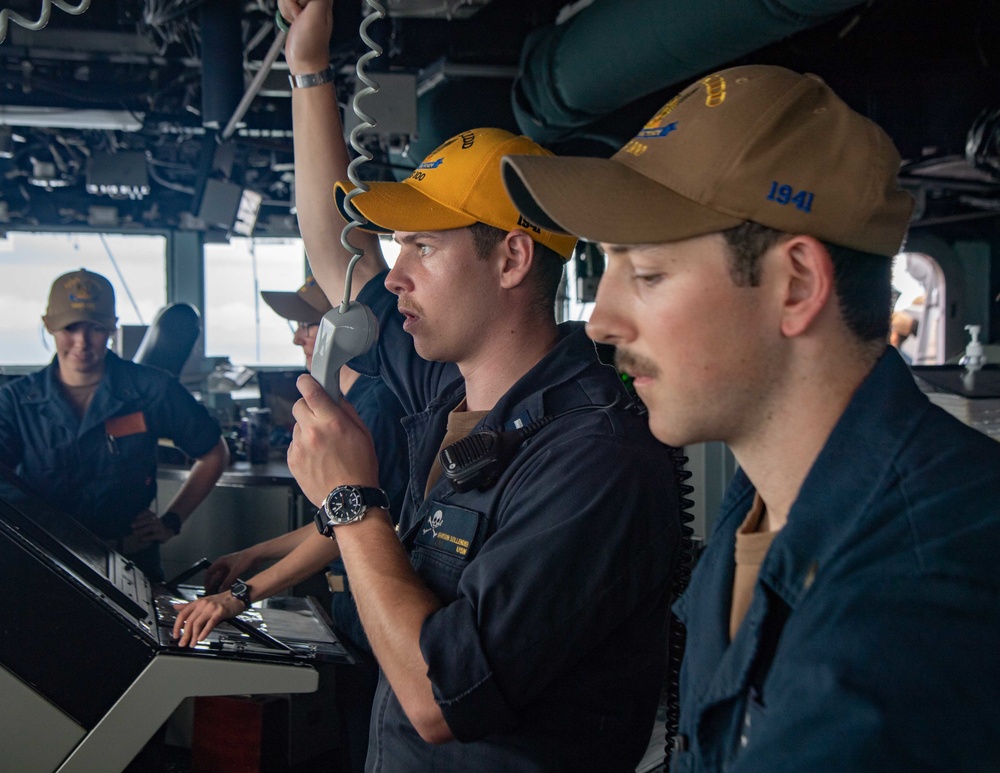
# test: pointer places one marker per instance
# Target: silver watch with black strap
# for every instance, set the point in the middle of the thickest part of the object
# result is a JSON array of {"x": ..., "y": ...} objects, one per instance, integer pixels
[{"x": 348, "y": 504}]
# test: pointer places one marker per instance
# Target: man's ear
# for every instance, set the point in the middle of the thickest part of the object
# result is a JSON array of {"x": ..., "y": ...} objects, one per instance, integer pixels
[
  {"x": 809, "y": 285},
  {"x": 518, "y": 254}
]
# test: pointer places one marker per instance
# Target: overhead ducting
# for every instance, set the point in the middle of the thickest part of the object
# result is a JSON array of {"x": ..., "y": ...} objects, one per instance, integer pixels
[
  {"x": 221, "y": 61},
  {"x": 434, "y": 9},
  {"x": 612, "y": 53}
]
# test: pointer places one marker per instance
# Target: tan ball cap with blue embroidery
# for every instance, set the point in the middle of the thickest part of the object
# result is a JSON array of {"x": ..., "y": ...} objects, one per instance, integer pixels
[
  {"x": 758, "y": 143},
  {"x": 80, "y": 296}
]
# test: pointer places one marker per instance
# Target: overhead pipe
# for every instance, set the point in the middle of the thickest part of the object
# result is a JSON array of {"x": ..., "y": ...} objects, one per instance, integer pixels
[
  {"x": 612, "y": 53},
  {"x": 221, "y": 61}
]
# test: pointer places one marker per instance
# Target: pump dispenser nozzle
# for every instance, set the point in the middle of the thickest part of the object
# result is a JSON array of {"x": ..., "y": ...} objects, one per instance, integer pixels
[{"x": 973, "y": 359}]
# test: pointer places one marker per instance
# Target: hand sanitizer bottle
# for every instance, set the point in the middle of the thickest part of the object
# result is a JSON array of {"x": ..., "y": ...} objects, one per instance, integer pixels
[{"x": 973, "y": 359}]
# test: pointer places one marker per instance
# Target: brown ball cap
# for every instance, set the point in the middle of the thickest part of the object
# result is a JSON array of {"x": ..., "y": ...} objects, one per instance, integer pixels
[
  {"x": 80, "y": 296},
  {"x": 307, "y": 304},
  {"x": 758, "y": 143}
]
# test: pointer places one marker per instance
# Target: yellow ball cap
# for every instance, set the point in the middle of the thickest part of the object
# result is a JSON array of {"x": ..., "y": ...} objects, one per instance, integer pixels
[{"x": 457, "y": 185}]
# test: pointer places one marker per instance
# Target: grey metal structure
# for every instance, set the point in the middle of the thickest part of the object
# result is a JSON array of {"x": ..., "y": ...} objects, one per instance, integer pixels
[{"x": 37, "y": 737}]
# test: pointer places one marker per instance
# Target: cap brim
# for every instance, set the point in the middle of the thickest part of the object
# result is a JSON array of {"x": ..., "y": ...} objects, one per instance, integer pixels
[
  {"x": 56, "y": 322},
  {"x": 390, "y": 207},
  {"x": 291, "y": 306},
  {"x": 601, "y": 200}
]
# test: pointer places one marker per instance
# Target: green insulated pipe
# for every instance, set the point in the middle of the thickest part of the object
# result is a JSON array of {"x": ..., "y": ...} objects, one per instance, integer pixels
[{"x": 616, "y": 51}]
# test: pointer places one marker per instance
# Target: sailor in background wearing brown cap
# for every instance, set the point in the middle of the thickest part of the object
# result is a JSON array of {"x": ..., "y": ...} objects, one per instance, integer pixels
[
  {"x": 844, "y": 615},
  {"x": 305, "y": 307},
  {"x": 519, "y": 623},
  {"x": 382, "y": 414},
  {"x": 83, "y": 432}
]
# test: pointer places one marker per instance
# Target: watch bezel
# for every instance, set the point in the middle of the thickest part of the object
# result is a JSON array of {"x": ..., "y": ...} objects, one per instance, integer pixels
[
  {"x": 342, "y": 511},
  {"x": 348, "y": 504}
]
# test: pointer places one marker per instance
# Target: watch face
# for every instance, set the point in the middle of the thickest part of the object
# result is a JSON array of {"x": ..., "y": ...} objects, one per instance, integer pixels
[
  {"x": 345, "y": 502},
  {"x": 241, "y": 591},
  {"x": 348, "y": 504}
]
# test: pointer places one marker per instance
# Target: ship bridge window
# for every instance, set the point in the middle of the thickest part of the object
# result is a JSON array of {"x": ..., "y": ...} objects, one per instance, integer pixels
[
  {"x": 238, "y": 324},
  {"x": 918, "y": 320},
  {"x": 29, "y": 263}
]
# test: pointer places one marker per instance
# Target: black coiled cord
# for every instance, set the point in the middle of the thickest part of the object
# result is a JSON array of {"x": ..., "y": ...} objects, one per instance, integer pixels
[{"x": 678, "y": 633}]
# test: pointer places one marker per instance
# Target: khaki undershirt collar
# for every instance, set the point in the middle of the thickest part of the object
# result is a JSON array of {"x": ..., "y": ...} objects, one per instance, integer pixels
[
  {"x": 461, "y": 422},
  {"x": 752, "y": 545}
]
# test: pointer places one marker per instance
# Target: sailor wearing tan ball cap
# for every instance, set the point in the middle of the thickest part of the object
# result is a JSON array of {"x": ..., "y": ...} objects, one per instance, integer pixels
[
  {"x": 305, "y": 307},
  {"x": 843, "y": 615},
  {"x": 83, "y": 432}
]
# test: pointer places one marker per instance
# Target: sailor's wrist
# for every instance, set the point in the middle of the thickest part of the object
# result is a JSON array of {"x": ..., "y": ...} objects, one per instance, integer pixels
[
  {"x": 241, "y": 594},
  {"x": 310, "y": 75},
  {"x": 172, "y": 522}
]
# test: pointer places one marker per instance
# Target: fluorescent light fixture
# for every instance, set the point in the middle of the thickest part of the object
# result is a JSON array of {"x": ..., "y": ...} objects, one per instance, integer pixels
[{"x": 62, "y": 118}]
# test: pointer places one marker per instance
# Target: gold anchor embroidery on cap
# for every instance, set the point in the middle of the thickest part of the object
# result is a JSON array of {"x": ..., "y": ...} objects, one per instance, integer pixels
[
  {"x": 82, "y": 292},
  {"x": 715, "y": 86}
]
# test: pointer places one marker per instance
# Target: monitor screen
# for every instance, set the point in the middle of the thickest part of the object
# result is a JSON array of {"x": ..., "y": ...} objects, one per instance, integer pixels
[
  {"x": 279, "y": 393},
  {"x": 59, "y": 534}
]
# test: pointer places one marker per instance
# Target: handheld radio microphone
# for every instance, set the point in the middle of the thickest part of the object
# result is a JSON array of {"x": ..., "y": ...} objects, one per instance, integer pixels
[{"x": 342, "y": 336}]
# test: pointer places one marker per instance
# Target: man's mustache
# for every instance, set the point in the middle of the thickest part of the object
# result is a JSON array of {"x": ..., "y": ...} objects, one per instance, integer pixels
[{"x": 634, "y": 365}]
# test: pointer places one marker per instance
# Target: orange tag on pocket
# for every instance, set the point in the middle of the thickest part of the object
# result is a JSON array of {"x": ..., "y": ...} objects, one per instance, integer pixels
[{"x": 121, "y": 426}]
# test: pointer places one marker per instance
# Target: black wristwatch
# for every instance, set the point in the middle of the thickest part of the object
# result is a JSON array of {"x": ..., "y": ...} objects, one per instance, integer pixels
[
  {"x": 172, "y": 521},
  {"x": 348, "y": 504},
  {"x": 241, "y": 591}
]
